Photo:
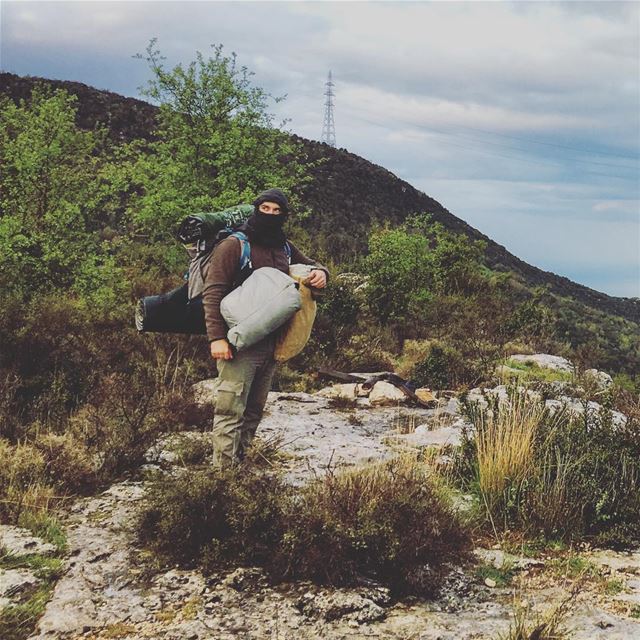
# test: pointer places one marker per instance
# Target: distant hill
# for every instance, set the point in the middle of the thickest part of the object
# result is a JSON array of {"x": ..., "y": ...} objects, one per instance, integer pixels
[{"x": 348, "y": 193}]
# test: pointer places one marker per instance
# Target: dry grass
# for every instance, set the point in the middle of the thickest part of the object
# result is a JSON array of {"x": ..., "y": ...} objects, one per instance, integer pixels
[
  {"x": 547, "y": 625},
  {"x": 506, "y": 445}
]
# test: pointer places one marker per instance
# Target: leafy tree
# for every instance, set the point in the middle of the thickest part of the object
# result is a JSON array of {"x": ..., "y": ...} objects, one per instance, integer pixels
[
  {"x": 216, "y": 143},
  {"x": 410, "y": 264},
  {"x": 400, "y": 277},
  {"x": 48, "y": 197}
]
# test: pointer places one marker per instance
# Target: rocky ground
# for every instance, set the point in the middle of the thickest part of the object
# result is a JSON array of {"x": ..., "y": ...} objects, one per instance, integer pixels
[{"x": 110, "y": 591}]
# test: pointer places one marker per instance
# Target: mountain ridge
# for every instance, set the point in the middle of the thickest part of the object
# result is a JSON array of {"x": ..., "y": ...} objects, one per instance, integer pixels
[{"x": 369, "y": 192}]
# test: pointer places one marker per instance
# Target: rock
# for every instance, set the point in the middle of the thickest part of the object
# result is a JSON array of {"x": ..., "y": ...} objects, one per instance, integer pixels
[
  {"x": 490, "y": 583},
  {"x": 423, "y": 436},
  {"x": 19, "y": 542},
  {"x": 246, "y": 579},
  {"x": 385, "y": 394},
  {"x": 601, "y": 379},
  {"x": 347, "y": 391},
  {"x": 499, "y": 393},
  {"x": 15, "y": 581},
  {"x": 203, "y": 391},
  {"x": 623, "y": 561},
  {"x": 546, "y": 361},
  {"x": 340, "y": 604},
  {"x": 577, "y": 408},
  {"x": 502, "y": 560}
]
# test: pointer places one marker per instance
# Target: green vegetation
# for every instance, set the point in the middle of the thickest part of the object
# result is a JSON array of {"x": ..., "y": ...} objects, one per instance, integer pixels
[
  {"x": 555, "y": 475},
  {"x": 502, "y": 576},
  {"x": 530, "y": 371},
  {"x": 85, "y": 229},
  {"x": 86, "y": 226}
]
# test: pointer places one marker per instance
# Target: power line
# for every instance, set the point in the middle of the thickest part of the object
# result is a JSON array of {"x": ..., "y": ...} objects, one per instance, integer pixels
[{"x": 510, "y": 157}]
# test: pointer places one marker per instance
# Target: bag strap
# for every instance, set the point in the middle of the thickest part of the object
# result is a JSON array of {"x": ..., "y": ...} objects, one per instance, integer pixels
[
  {"x": 287, "y": 250},
  {"x": 245, "y": 249}
]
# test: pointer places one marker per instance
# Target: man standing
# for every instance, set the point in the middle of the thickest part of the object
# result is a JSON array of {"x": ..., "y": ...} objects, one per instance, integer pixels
[{"x": 244, "y": 379}]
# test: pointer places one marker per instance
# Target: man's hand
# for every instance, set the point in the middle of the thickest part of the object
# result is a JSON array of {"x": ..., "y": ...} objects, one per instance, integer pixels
[
  {"x": 221, "y": 349},
  {"x": 317, "y": 279}
]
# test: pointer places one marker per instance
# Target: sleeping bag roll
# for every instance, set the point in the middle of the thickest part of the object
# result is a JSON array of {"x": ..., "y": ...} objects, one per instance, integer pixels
[{"x": 264, "y": 302}]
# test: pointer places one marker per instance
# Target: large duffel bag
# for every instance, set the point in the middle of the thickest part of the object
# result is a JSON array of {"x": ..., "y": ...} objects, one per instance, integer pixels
[{"x": 262, "y": 304}]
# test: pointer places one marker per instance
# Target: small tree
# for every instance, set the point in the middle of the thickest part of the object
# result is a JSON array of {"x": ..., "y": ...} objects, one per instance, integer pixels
[
  {"x": 48, "y": 196},
  {"x": 407, "y": 266},
  {"x": 400, "y": 278},
  {"x": 216, "y": 143}
]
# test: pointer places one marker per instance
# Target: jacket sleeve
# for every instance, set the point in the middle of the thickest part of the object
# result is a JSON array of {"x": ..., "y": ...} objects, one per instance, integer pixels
[
  {"x": 297, "y": 257},
  {"x": 221, "y": 273}
]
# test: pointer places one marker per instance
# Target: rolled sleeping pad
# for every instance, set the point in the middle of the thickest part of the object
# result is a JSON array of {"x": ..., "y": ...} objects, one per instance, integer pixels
[
  {"x": 171, "y": 312},
  {"x": 199, "y": 226}
]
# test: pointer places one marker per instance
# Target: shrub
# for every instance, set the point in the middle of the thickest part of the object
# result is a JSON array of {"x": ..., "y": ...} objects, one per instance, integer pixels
[
  {"x": 446, "y": 366},
  {"x": 69, "y": 465},
  {"x": 218, "y": 517},
  {"x": 387, "y": 521},
  {"x": 370, "y": 351},
  {"x": 555, "y": 474}
]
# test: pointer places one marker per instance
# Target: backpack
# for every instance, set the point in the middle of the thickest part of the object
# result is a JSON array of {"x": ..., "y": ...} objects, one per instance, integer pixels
[
  {"x": 201, "y": 257},
  {"x": 180, "y": 310}
]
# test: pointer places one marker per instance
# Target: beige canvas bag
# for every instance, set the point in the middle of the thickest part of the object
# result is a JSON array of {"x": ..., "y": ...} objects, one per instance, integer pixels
[{"x": 295, "y": 334}]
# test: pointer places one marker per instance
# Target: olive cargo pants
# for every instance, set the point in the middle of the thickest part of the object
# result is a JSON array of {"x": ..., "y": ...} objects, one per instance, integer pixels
[{"x": 240, "y": 395}]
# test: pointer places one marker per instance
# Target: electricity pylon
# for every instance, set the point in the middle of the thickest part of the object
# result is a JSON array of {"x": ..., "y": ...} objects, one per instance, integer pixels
[{"x": 329, "y": 127}]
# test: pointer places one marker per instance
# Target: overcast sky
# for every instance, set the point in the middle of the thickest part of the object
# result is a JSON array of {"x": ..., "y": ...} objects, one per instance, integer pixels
[{"x": 521, "y": 118}]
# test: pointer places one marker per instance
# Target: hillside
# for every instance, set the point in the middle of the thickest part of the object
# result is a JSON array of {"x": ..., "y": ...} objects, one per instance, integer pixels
[{"x": 348, "y": 193}]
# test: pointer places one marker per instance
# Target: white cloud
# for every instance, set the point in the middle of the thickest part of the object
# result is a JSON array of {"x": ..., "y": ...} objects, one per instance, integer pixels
[{"x": 422, "y": 88}]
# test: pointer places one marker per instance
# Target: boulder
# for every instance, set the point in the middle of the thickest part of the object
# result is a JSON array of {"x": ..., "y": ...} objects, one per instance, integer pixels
[
  {"x": 601, "y": 379},
  {"x": 577, "y": 408},
  {"x": 544, "y": 360},
  {"x": 385, "y": 394}
]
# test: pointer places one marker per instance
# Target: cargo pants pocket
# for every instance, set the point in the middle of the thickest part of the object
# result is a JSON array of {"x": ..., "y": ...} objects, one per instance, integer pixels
[{"x": 228, "y": 398}]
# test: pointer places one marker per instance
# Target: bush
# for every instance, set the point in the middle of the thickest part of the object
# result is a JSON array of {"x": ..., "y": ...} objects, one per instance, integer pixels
[
  {"x": 69, "y": 465},
  {"x": 445, "y": 366},
  {"x": 560, "y": 475},
  {"x": 388, "y": 522},
  {"x": 217, "y": 517}
]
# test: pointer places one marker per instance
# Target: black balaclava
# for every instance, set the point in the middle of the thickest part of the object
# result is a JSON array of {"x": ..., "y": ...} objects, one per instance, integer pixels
[{"x": 264, "y": 228}]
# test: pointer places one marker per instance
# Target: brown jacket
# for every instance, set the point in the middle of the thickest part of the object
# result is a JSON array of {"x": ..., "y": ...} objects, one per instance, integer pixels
[{"x": 223, "y": 269}]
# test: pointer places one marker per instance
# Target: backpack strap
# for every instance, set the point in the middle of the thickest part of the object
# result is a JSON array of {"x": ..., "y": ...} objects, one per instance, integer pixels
[
  {"x": 287, "y": 250},
  {"x": 245, "y": 249}
]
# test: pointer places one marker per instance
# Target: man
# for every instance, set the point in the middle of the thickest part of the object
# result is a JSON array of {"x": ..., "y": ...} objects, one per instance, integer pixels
[{"x": 244, "y": 379}]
